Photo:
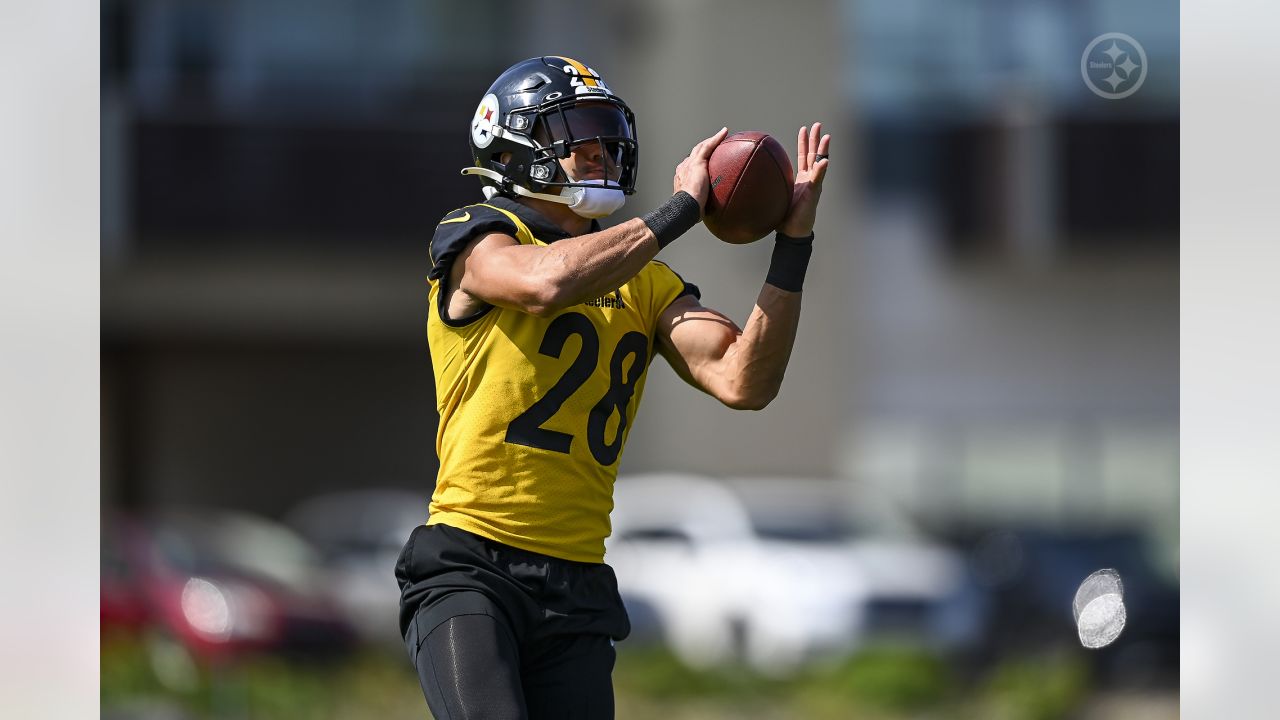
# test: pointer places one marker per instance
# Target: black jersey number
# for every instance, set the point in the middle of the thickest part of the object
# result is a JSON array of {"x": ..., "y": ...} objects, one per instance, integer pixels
[{"x": 527, "y": 429}]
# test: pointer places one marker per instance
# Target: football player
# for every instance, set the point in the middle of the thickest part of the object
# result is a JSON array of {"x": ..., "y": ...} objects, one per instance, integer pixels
[{"x": 541, "y": 327}]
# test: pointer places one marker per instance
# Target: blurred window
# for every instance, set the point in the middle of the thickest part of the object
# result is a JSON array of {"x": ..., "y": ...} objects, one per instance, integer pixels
[
  {"x": 673, "y": 536},
  {"x": 293, "y": 123},
  {"x": 236, "y": 545},
  {"x": 977, "y": 108},
  {"x": 963, "y": 58},
  {"x": 817, "y": 532}
]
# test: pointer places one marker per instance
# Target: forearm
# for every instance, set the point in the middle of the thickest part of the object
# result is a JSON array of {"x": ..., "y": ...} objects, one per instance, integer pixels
[
  {"x": 588, "y": 266},
  {"x": 752, "y": 366},
  {"x": 757, "y": 360}
]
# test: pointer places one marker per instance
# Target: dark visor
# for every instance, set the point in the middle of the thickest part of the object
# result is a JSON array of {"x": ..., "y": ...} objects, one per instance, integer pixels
[{"x": 587, "y": 121}]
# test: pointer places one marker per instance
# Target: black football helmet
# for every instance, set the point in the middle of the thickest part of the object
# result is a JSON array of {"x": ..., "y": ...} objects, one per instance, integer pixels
[{"x": 538, "y": 110}]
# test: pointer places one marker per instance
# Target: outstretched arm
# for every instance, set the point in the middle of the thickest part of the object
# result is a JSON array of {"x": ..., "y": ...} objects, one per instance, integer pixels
[
  {"x": 542, "y": 280},
  {"x": 743, "y": 368}
]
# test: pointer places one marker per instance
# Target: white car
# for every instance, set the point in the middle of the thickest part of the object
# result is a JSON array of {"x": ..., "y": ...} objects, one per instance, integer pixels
[
  {"x": 781, "y": 592},
  {"x": 360, "y": 534}
]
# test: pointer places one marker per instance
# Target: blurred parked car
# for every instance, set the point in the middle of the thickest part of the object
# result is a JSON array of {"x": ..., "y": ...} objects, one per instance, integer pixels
[
  {"x": 217, "y": 585},
  {"x": 722, "y": 586},
  {"x": 1033, "y": 574},
  {"x": 359, "y": 535}
]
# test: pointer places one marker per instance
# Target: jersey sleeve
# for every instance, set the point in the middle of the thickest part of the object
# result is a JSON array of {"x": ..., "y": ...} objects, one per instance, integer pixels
[
  {"x": 665, "y": 286},
  {"x": 459, "y": 228}
]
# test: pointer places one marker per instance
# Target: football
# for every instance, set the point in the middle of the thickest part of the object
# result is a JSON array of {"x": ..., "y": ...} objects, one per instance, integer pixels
[{"x": 751, "y": 181}]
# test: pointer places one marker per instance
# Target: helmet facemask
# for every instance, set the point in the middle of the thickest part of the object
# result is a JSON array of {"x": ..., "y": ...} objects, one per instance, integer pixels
[{"x": 579, "y": 122}]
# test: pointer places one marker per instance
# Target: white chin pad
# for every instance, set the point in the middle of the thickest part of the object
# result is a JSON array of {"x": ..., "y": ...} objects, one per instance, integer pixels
[{"x": 595, "y": 202}]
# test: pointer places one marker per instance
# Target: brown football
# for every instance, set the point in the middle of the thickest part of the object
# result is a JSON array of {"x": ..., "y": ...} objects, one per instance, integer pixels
[{"x": 751, "y": 182}]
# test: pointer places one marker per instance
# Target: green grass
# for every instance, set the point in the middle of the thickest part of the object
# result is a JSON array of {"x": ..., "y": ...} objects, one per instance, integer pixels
[
  {"x": 369, "y": 684},
  {"x": 1042, "y": 688},
  {"x": 878, "y": 684}
]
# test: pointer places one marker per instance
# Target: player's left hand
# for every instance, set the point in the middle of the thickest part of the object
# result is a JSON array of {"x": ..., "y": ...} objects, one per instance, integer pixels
[{"x": 811, "y": 168}]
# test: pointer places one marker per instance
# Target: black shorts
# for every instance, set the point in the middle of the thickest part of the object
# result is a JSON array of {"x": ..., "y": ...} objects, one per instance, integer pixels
[{"x": 556, "y": 621}]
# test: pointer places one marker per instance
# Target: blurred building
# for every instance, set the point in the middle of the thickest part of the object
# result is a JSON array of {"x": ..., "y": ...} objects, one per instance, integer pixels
[
  {"x": 991, "y": 323},
  {"x": 1016, "y": 284}
]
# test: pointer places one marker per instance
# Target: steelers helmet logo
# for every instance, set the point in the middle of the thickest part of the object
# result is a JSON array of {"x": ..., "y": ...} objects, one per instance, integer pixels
[{"x": 485, "y": 119}]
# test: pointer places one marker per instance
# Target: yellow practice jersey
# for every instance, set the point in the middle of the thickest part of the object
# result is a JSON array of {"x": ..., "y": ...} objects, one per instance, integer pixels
[{"x": 534, "y": 412}]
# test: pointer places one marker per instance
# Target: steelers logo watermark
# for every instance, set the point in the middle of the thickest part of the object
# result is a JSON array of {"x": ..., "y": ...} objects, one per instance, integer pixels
[
  {"x": 1114, "y": 66},
  {"x": 482, "y": 124}
]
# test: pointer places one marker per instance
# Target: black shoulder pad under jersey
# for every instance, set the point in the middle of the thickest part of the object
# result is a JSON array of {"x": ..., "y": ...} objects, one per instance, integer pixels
[
  {"x": 459, "y": 228},
  {"x": 689, "y": 288}
]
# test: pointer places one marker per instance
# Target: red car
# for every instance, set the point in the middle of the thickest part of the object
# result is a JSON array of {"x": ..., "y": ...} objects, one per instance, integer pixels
[{"x": 219, "y": 583}]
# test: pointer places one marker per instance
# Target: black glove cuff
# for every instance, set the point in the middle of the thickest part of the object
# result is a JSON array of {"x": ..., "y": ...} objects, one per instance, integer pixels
[
  {"x": 789, "y": 263},
  {"x": 673, "y": 218}
]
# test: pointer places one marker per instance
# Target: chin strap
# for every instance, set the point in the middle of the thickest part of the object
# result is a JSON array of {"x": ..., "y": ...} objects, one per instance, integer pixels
[
  {"x": 484, "y": 172},
  {"x": 592, "y": 199}
]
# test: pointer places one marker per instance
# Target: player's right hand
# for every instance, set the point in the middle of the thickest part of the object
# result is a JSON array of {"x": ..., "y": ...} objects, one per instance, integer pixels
[{"x": 691, "y": 173}]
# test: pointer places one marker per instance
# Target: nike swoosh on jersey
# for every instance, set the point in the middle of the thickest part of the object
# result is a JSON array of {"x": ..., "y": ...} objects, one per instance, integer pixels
[{"x": 465, "y": 217}]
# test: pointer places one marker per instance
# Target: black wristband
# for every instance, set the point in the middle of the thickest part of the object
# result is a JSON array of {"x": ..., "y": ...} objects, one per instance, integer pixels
[
  {"x": 673, "y": 218},
  {"x": 789, "y": 263}
]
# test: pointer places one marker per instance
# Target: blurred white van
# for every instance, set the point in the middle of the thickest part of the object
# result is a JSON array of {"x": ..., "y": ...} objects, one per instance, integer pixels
[{"x": 779, "y": 580}]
